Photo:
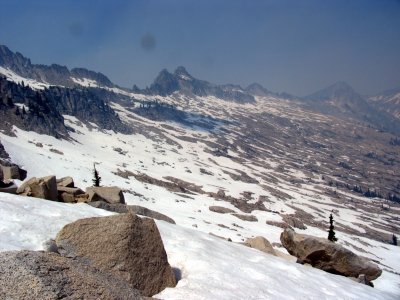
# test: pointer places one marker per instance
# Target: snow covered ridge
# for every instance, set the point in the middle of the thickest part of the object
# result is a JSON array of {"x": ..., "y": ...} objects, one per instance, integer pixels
[
  {"x": 12, "y": 76},
  {"x": 210, "y": 268}
]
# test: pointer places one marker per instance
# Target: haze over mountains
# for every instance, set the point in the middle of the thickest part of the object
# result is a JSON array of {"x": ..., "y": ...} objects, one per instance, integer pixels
[{"x": 183, "y": 146}]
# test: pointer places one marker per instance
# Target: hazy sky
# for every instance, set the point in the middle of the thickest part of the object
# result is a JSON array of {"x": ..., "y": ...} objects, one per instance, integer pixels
[{"x": 294, "y": 46}]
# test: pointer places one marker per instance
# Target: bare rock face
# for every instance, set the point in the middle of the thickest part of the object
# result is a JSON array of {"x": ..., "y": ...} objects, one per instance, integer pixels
[
  {"x": 260, "y": 243},
  {"x": 45, "y": 275},
  {"x": 111, "y": 194},
  {"x": 124, "y": 245},
  {"x": 143, "y": 211},
  {"x": 221, "y": 210},
  {"x": 249, "y": 218},
  {"x": 44, "y": 187},
  {"x": 328, "y": 256}
]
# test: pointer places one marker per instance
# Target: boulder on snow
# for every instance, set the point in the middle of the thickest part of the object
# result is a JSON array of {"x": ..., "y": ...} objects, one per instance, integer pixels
[
  {"x": 328, "y": 256},
  {"x": 113, "y": 207},
  {"x": 221, "y": 210},
  {"x": 8, "y": 187},
  {"x": 249, "y": 218},
  {"x": 12, "y": 172},
  {"x": 143, "y": 211},
  {"x": 46, "y": 275},
  {"x": 124, "y": 245},
  {"x": 44, "y": 187},
  {"x": 293, "y": 222},
  {"x": 112, "y": 194},
  {"x": 260, "y": 243},
  {"x": 68, "y": 194},
  {"x": 66, "y": 182}
]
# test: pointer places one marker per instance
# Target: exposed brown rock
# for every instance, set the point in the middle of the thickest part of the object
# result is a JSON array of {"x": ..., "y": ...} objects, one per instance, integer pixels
[
  {"x": 124, "y": 245},
  {"x": 328, "y": 256},
  {"x": 66, "y": 182},
  {"x": 112, "y": 194},
  {"x": 44, "y": 275},
  {"x": 221, "y": 210},
  {"x": 293, "y": 222},
  {"x": 249, "y": 218},
  {"x": 44, "y": 187}
]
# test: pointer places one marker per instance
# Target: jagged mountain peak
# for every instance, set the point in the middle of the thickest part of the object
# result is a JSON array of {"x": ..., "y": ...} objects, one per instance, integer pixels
[{"x": 182, "y": 73}]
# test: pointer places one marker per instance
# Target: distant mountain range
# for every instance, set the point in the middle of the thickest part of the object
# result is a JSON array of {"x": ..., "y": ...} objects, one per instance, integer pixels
[{"x": 382, "y": 110}]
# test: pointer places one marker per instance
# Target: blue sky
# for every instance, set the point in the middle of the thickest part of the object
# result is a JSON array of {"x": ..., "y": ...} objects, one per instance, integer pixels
[{"x": 293, "y": 46}]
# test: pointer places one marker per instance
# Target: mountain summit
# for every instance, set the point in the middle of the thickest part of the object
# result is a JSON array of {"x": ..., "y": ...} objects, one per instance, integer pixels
[{"x": 181, "y": 80}]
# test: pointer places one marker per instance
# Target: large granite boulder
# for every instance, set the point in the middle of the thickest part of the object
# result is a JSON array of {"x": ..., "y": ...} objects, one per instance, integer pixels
[
  {"x": 44, "y": 187},
  {"x": 328, "y": 256},
  {"x": 124, "y": 245},
  {"x": 45, "y": 275},
  {"x": 260, "y": 243},
  {"x": 112, "y": 194}
]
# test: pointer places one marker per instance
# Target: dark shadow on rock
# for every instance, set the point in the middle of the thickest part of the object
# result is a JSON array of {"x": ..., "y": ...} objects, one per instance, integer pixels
[{"x": 177, "y": 273}]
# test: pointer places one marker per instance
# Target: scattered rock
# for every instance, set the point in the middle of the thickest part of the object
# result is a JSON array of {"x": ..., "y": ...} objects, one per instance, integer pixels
[
  {"x": 111, "y": 194},
  {"x": 124, "y": 245},
  {"x": 260, "y": 243},
  {"x": 8, "y": 187},
  {"x": 249, "y": 218},
  {"x": 293, "y": 222},
  {"x": 143, "y": 211},
  {"x": 44, "y": 187},
  {"x": 46, "y": 275},
  {"x": 65, "y": 182},
  {"x": 11, "y": 171},
  {"x": 362, "y": 279},
  {"x": 328, "y": 256},
  {"x": 221, "y": 210},
  {"x": 113, "y": 207}
]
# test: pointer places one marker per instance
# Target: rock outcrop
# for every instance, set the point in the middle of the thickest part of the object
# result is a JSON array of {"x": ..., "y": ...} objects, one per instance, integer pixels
[
  {"x": 260, "y": 243},
  {"x": 43, "y": 187},
  {"x": 328, "y": 256},
  {"x": 124, "y": 245},
  {"x": 46, "y": 275},
  {"x": 110, "y": 195},
  {"x": 221, "y": 210}
]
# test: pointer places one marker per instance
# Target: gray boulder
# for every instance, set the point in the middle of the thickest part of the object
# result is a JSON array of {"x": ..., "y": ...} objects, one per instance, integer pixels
[
  {"x": 68, "y": 194},
  {"x": 112, "y": 194},
  {"x": 45, "y": 275},
  {"x": 44, "y": 187},
  {"x": 113, "y": 207},
  {"x": 8, "y": 187},
  {"x": 260, "y": 243},
  {"x": 124, "y": 245},
  {"x": 328, "y": 256}
]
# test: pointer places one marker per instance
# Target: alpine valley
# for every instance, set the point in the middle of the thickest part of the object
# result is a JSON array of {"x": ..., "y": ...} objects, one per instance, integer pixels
[{"x": 225, "y": 163}]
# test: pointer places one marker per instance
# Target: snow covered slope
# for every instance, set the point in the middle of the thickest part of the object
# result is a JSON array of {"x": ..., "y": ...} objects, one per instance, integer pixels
[{"x": 210, "y": 268}]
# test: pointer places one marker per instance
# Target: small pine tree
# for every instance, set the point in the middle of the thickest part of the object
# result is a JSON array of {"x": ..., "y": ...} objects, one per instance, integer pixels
[
  {"x": 96, "y": 177},
  {"x": 394, "y": 240},
  {"x": 331, "y": 234}
]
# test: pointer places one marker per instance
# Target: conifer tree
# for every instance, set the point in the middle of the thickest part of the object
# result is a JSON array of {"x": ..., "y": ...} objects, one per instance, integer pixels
[
  {"x": 331, "y": 234},
  {"x": 96, "y": 177}
]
